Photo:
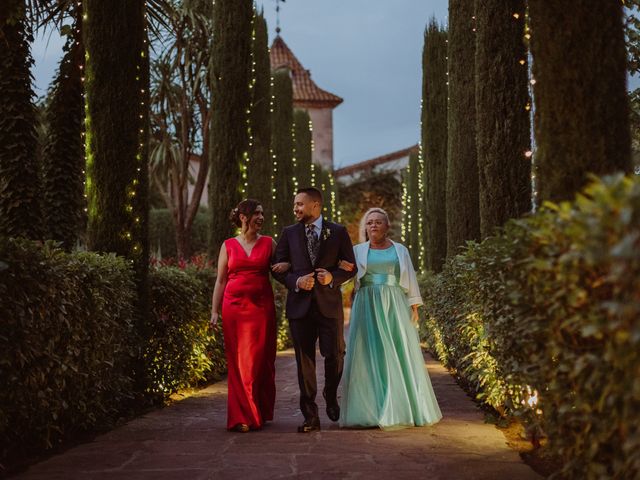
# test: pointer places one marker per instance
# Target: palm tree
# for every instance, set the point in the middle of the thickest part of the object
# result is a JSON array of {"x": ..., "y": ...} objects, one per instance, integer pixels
[{"x": 181, "y": 114}]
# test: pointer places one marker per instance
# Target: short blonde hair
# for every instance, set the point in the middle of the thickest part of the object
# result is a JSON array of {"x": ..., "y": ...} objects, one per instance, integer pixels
[{"x": 363, "y": 237}]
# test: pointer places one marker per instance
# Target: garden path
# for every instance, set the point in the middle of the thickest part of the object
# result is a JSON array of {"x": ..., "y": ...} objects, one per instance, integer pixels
[{"x": 188, "y": 440}]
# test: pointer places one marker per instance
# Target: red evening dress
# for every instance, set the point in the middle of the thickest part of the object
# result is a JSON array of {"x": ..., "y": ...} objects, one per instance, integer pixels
[{"x": 249, "y": 325}]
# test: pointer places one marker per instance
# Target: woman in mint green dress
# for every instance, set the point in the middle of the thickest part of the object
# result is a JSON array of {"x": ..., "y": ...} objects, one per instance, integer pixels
[{"x": 385, "y": 382}]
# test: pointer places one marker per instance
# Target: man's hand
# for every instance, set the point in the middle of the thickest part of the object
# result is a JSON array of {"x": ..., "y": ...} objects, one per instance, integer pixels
[
  {"x": 306, "y": 282},
  {"x": 324, "y": 276}
]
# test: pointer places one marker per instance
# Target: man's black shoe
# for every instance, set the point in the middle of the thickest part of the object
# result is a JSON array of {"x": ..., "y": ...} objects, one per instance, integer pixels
[
  {"x": 308, "y": 426},
  {"x": 333, "y": 412},
  {"x": 333, "y": 409}
]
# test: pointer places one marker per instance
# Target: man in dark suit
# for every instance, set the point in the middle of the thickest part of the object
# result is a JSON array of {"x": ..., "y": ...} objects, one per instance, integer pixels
[{"x": 313, "y": 247}]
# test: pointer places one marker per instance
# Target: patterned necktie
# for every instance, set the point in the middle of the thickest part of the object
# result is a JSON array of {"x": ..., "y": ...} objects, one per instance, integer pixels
[{"x": 312, "y": 243}]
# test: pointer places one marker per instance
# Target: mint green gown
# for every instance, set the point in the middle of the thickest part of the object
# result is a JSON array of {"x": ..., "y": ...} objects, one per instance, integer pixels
[{"x": 385, "y": 382}]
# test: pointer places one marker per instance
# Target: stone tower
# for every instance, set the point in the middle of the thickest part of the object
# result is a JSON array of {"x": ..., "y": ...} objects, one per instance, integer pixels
[{"x": 308, "y": 96}]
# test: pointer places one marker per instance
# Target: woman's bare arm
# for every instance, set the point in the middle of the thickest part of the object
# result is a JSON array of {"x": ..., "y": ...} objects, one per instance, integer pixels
[{"x": 221, "y": 283}]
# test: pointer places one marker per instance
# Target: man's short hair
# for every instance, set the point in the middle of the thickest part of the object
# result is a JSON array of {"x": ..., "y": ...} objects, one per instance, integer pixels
[{"x": 313, "y": 192}]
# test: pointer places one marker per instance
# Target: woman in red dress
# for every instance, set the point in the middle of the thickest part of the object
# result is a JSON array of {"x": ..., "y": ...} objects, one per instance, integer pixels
[{"x": 248, "y": 319}]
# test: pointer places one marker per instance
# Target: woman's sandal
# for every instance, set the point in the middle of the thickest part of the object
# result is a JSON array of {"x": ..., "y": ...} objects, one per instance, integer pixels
[{"x": 241, "y": 427}]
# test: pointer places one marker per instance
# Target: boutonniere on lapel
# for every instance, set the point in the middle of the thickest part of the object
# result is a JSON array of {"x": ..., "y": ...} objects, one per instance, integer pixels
[{"x": 325, "y": 232}]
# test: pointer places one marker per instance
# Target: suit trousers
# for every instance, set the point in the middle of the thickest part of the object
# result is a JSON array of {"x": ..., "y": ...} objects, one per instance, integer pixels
[{"x": 305, "y": 332}]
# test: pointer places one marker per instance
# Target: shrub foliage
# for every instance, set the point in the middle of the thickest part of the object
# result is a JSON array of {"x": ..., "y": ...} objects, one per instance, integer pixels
[
  {"x": 543, "y": 322},
  {"x": 69, "y": 348}
]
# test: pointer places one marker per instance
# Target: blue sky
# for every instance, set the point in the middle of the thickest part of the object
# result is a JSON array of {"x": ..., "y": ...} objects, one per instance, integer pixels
[{"x": 366, "y": 51}]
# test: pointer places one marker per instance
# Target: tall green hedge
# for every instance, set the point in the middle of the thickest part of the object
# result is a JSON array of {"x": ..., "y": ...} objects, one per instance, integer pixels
[
  {"x": 502, "y": 112},
  {"x": 182, "y": 350},
  {"x": 117, "y": 139},
  {"x": 67, "y": 342},
  {"x": 302, "y": 146},
  {"x": 434, "y": 143},
  {"x": 162, "y": 233},
  {"x": 115, "y": 75},
  {"x": 231, "y": 99},
  {"x": 69, "y": 347},
  {"x": 413, "y": 209},
  {"x": 582, "y": 112},
  {"x": 543, "y": 322},
  {"x": 325, "y": 182},
  {"x": 63, "y": 162},
  {"x": 260, "y": 171},
  {"x": 20, "y": 209},
  {"x": 282, "y": 148},
  {"x": 463, "y": 215}
]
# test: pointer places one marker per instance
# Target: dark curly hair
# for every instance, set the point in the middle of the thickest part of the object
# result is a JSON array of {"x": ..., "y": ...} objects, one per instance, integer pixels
[{"x": 246, "y": 207}]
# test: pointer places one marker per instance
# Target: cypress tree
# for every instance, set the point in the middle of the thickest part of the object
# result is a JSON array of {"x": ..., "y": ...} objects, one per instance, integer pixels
[
  {"x": 414, "y": 210},
  {"x": 582, "y": 112},
  {"x": 406, "y": 208},
  {"x": 463, "y": 217},
  {"x": 322, "y": 179},
  {"x": 116, "y": 125},
  {"x": 302, "y": 146},
  {"x": 20, "y": 210},
  {"x": 117, "y": 137},
  {"x": 282, "y": 147},
  {"x": 434, "y": 141},
  {"x": 259, "y": 171},
  {"x": 502, "y": 109},
  {"x": 231, "y": 98},
  {"x": 63, "y": 155}
]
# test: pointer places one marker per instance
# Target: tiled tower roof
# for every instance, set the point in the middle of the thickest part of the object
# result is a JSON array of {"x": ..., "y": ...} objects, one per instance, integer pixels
[{"x": 305, "y": 91}]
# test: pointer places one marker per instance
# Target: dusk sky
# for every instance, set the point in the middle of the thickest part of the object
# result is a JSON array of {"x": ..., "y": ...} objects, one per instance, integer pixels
[{"x": 366, "y": 52}]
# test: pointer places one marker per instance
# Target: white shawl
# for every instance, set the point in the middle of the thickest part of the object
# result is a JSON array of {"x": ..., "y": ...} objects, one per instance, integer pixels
[{"x": 408, "y": 280}]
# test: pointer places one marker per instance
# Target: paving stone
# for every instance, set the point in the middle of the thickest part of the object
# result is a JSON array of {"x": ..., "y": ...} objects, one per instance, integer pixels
[{"x": 188, "y": 440}]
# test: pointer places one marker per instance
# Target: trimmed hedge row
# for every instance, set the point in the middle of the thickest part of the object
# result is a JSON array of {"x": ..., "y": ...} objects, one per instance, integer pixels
[
  {"x": 543, "y": 322},
  {"x": 69, "y": 350},
  {"x": 66, "y": 343},
  {"x": 181, "y": 349},
  {"x": 162, "y": 233}
]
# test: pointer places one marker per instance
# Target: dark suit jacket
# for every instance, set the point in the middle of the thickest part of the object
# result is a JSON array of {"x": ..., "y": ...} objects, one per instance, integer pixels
[{"x": 335, "y": 245}]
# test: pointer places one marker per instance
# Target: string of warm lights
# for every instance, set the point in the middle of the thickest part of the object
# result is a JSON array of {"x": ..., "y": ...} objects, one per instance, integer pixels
[
  {"x": 274, "y": 167},
  {"x": 84, "y": 103},
  {"x": 421, "y": 199},
  {"x": 405, "y": 232},
  {"x": 529, "y": 154},
  {"x": 90, "y": 199},
  {"x": 294, "y": 161},
  {"x": 246, "y": 156},
  {"x": 332, "y": 185},
  {"x": 132, "y": 234},
  {"x": 313, "y": 166}
]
